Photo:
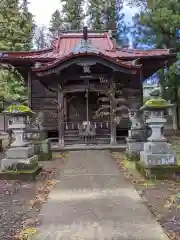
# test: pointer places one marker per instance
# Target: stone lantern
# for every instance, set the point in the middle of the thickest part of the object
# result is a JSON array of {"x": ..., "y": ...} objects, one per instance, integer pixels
[
  {"x": 20, "y": 156},
  {"x": 156, "y": 152},
  {"x": 18, "y": 121}
]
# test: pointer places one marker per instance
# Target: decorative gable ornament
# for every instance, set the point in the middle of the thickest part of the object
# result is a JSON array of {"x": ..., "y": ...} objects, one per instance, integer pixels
[
  {"x": 37, "y": 65},
  {"x": 86, "y": 66},
  {"x": 85, "y": 46}
]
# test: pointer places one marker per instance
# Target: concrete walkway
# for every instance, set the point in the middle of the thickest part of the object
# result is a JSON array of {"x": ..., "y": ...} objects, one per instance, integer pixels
[{"x": 93, "y": 201}]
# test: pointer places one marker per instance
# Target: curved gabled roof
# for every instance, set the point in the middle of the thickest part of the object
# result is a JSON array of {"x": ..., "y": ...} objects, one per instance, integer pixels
[
  {"x": 55, "y": 63},
  {"x": 64, "y": 45}
]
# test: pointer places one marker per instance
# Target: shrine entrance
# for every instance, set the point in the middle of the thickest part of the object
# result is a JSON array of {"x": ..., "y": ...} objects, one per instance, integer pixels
[{"x": 80, "y": 119}]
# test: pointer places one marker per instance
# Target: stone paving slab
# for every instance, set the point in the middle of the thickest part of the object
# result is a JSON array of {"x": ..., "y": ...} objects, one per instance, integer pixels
[{"x": 87, "y": 203}]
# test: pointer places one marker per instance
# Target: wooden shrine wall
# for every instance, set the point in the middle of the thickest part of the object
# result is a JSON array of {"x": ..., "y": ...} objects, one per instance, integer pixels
[{"x": 45, "y": 101}]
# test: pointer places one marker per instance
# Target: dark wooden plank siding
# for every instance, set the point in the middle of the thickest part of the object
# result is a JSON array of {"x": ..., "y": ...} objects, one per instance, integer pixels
[
  {"x": 38, "y": 90},
  {"x": 45, "y": 101}
]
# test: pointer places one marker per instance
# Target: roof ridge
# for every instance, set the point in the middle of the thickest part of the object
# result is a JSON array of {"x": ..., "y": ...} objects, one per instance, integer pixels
[{"x": 81, "y": 35}]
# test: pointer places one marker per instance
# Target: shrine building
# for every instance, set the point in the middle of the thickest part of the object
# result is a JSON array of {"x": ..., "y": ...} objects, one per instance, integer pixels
[{"x": 67, "y": 83}]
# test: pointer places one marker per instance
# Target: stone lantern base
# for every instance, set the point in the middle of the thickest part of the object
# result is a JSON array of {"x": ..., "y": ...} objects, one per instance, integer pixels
[
  {"x": 157, "y": 153},
  {"x": 170, "y": 172},
  {"x": 19, "y": 161},
  {"x": 158, "y": 161}
]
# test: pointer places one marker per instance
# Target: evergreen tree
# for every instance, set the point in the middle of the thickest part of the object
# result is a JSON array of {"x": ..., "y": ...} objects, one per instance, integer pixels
[
  {"x": 102, "y": 14},
  {"x": 29, "y": 21},
  {"x": 160, "y": 21},
  {"x": 142, "y": 35},
  {"x": 122, "y": 29},
  {"x": 11, "y": 84},
  {"x": 73, "y": 14},
  {"x": 56, "y": 23},
  {"x": 16, "y": 27},
  {"x": 107, "y": 15},
  {"x": 41, "y": 38}
]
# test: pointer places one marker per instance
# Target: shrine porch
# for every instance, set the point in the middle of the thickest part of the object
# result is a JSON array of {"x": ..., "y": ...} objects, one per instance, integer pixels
[
  {"x": 101, "y": 137},
  {"x": 75, "y": 147}
]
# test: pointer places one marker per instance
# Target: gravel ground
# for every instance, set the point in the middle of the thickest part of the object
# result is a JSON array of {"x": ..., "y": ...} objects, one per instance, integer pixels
[
  {"x": 20, "y": 202},
  {"x": 161, "y": 197}
]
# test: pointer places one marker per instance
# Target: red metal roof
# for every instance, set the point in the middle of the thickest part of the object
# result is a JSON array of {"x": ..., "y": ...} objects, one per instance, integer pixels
[
  {"x": 66, "y": 42},
  {"x": 45, "y": 66}
]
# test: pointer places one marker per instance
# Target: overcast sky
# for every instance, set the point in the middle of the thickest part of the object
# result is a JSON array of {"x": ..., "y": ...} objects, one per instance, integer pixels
[{"x": 42, "y": 10}]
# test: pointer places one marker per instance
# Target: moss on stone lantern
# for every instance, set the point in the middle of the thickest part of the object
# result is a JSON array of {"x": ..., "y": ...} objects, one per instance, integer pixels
[
  {"x": 18, "y": 109},
  {"x": 156, "y": 102}
]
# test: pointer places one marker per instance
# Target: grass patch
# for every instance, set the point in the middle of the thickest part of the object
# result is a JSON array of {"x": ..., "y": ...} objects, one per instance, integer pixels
[
  {"x": 129, "y": 164},
  {"x": 131, "y": 172},
  {"x": 132, "y": 156},
  {"x": 59, "y": 155}
]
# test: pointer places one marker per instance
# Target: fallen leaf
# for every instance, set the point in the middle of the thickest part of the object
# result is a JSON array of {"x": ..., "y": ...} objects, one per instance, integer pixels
[{"x": 26, "y": 233}]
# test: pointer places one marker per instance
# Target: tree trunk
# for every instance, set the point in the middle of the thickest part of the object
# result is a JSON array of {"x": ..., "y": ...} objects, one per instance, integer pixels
[
  {"x": 177, "y": 115},
  {"x": 177, "y": 107}
]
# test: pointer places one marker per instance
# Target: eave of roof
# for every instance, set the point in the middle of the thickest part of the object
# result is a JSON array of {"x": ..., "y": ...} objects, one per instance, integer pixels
[
  {"x": 57, "y": 62},
  {"x": 49, "y": 55}
]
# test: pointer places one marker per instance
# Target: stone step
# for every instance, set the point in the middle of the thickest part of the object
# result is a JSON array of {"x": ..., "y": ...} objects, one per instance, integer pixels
[
  {"x": 77, "y": 134},
  {"x": 96, "y": 142},
  {"x": 97, "y": 136},
  {"x": 97, "y": 130}
]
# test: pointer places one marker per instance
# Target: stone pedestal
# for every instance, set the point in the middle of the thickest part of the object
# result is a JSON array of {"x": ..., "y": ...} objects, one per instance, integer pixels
[
  {"x": 42, "y": 145},
  {"x": 157, "y": 154},
  {"x": 134, "y": 147},
  {"x": 135, "y": 141},
  {"x": 20, "y": 158},
  {"x": 158, "y": 161},
  {"x": 156, "y": 124}
]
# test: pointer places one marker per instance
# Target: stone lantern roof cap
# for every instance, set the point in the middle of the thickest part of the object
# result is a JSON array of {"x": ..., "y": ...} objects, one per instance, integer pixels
[
  {"x": 19, "y": 109},
  {"x": 156, "y": 104}
]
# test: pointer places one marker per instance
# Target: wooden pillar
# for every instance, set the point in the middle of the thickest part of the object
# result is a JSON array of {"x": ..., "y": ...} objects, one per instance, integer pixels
[
  {"x": 174, "y": 118},
  {"x": 112, "y": 111},
  {"x": 61, "y": 117},
  {"x": 87, "y": 104},
  {"x": 141, "y": 86},
  {"x": 29, "y": 88},
  {"x": 65, "y": 108}
]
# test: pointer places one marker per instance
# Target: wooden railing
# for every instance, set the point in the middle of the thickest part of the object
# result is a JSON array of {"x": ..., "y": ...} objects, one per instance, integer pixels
[{"x": 77, "y": 125}]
